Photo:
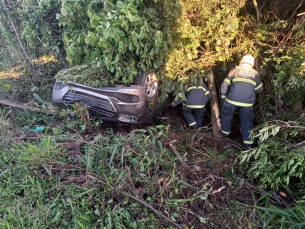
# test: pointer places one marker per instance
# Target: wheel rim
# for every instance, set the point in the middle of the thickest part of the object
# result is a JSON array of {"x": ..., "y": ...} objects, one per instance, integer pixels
[{"x": 151, "y": 86}]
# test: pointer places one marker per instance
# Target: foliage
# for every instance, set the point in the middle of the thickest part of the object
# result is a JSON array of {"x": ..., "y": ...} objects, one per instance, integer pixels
[
  {"x": 126, "y": 37},
  {"x": 292, "y": 217},
  {"x": 97, "y": 75},
  {"x": 276, "y": 162},
  {"x": 288, "y": 77},
  {"x": 52, "y": 181},
  {"x": 39, "y": 26},
  {"x": 208, "y": 32},
  {"x": 29, "y": 29},
  {"x": 21, "y": 82}
]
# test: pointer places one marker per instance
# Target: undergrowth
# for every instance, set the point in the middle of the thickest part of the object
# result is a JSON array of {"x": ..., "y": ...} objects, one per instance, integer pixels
[
  {"x": 48, "y": 182},
  {"x": 77, "y": 176}
]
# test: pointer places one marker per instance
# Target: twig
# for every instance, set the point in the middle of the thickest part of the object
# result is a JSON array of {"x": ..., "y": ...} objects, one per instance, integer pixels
[
  {"x": 33, "y": 109},
  {"x": 218, "y": 190},
  {"x": 177, "y": 154},
  {"x": 130, "y": 178},
  {"x": 136, "y": 199},
  {"x": 297, "y": 145},
  {"x": 296, "y": 9}
]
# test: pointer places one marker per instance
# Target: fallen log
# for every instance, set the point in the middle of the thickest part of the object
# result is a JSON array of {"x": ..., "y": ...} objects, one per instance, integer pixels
[{"x": 32, "y": 109}]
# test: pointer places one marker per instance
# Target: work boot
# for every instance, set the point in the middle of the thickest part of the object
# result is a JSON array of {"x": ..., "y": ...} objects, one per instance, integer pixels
[{"x": 249, "y": 148}]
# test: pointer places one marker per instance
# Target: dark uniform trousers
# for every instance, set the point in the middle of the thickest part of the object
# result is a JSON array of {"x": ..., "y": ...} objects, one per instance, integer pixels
[
  {"x": 193, "y": 116},
  {"x": 246, "y": 116}
]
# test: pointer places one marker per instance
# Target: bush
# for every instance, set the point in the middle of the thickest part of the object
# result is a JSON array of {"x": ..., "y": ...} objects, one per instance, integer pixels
[{"x": 277, "y": 161}]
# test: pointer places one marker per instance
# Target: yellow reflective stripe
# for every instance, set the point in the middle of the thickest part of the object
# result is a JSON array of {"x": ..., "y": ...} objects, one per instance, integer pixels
[
  {"x": 194, "y": 106},
  {"x": 259, "y": 86},
  {"x": 227, "y": 133},
  {"x": 240, "y": 104},
  {"x": 244, "y": 80},
  {"x": 223, "y": 96},
  {"x": 227, "y": 81},
  {"x": 207, "y": 92},
  {"x": 248, "y": 142},
  {"x": 192, "y": 124},
  {"x": 194, "y": 87}
]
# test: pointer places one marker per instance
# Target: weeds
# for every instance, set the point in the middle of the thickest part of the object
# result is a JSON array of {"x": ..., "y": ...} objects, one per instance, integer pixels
[
  {"x": 63, "y": 179},
  {"x": 63, "y": 185}
]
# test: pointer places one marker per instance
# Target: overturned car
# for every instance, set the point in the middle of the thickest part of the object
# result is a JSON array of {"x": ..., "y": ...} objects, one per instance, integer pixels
[{"x": 128, "y": 104}]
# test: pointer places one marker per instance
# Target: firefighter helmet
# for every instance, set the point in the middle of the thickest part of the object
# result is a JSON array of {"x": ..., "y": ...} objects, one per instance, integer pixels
[{"x": 248, "y": 59}]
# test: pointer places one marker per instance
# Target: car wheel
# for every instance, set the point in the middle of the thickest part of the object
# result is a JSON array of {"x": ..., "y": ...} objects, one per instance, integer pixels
[{"x": 151, "y": 83}]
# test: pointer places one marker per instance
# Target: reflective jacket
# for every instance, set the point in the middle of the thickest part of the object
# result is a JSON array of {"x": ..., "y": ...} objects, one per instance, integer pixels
[
  {"x": 196, "y": 97},
  {"x": 240, "y": 86}
]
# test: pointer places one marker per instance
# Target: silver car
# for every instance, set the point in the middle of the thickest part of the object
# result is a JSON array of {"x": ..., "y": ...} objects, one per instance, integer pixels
[{"x": 128, "y": 104}]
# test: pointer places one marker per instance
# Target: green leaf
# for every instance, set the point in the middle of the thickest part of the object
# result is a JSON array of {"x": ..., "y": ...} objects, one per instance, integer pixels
[
  {"x": 105, "y": 33},
  {"x": 117, "y": 58},
  {"x": 87, "y": 39},
  {"x": 130, "y": 17},
  {"x": 202, "y": 220},
  {"x": 71, "y": 51},
  {"x": 131, "y": 78},
  {"x": 123, "y": 11},
  {"x": 64, "y": 12},
  {"x": 115, "y": 150},
  {"x": 111, "y": 68},
  {"x": 120, "y": 4},
  {"x": 81, "y": 225}
]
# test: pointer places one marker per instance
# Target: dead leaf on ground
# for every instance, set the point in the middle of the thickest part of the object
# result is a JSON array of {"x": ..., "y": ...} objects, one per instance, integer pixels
[
  {"x": 229, "y": 183},
  {"x": 218, "y": 190},
  {"x": 160, "y": 180},
  {"x": 196, "y": 168},
  {"x": 283, "y": 194}
]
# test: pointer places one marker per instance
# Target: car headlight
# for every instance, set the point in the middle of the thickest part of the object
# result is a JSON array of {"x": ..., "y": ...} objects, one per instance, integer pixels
[{"x": 58, "y": 86}]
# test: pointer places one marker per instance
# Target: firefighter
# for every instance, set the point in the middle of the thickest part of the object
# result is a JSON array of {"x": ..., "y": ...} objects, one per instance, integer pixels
[
  {"x": 238, "y": 93},
  {"x": 194, "y": 107}
]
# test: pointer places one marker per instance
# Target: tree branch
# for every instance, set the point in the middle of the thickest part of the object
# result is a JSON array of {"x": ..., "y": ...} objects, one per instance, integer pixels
[
  {"x": 297, "y": 145},
  {"x": 258, "y": 18},
  {"x": 19, "y": 39},
  {"x": 296, "y": 9},
  {"x": 33, "y": 109}
]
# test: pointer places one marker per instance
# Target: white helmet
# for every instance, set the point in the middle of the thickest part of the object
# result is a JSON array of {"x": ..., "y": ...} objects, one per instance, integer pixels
[{"x": 248, "y": 59}]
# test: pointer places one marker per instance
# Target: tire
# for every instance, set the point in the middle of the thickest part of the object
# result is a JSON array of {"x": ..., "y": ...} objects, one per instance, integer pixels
[{"x": 152, "y": 85}]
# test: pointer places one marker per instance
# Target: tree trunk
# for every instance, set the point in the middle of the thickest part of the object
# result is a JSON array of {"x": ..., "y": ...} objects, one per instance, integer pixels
[
  {"x": 258, "y": 18},
  {"x": 214, "y": 108}
]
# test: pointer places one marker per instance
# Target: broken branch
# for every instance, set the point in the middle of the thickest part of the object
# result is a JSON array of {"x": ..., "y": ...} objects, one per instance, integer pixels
[
  {"x": 177, "y": 154},
  {"x": 33, "y": 109}
]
